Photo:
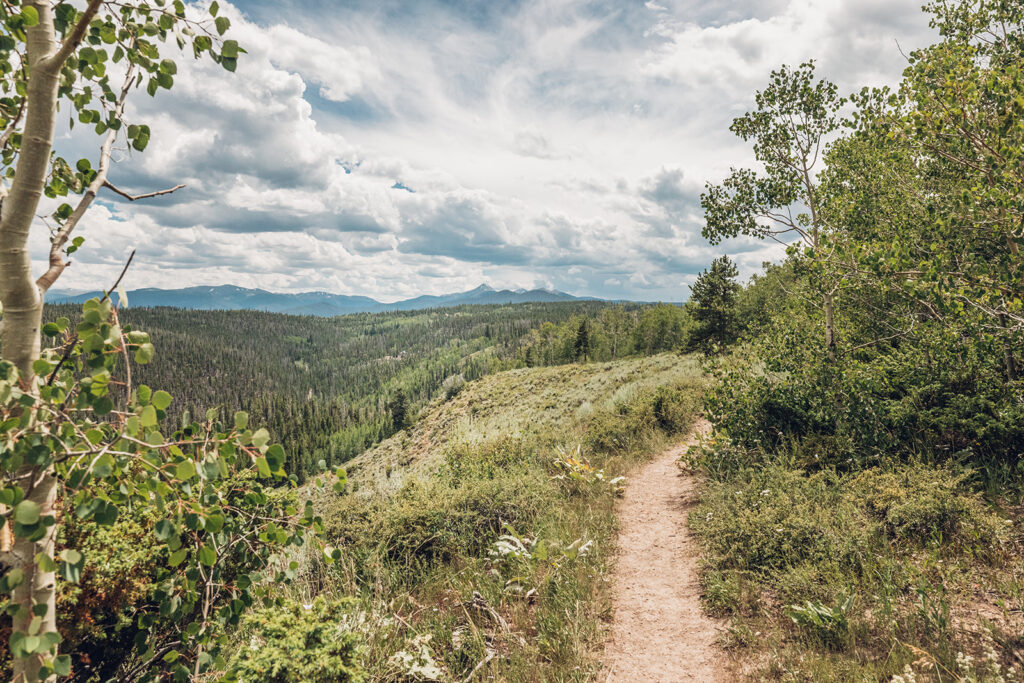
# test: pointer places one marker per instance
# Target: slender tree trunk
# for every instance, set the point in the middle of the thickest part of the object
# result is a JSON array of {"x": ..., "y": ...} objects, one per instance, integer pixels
[
  {"x": 21, "y": 298},
  {"x": 23, "y": 303},
  {"x": 830, "y": 327},
  {"x": 39, "y": 587}
]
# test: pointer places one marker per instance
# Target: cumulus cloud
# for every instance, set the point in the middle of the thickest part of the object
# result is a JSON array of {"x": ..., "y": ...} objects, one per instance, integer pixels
[{"x": 392, "y": 149}]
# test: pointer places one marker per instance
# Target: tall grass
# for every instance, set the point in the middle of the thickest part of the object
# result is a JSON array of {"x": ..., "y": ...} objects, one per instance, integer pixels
[{"x": 480, "y": 541}]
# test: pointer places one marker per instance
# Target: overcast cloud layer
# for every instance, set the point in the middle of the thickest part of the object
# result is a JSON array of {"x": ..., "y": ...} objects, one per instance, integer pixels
[{"x": 396, "y": 148}]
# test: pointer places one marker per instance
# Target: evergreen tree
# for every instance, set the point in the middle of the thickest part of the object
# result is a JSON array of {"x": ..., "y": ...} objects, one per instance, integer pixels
[
  {"x": 398, "y": 408},
  {"x": 581, "y": 347},
  {"x": 714, "y": 306}
]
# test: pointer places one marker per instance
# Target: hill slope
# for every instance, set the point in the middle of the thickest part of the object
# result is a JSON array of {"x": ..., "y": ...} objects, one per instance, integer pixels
[
  {"x": 550, "y": 404},
  {"x": 477, "y": 543}
]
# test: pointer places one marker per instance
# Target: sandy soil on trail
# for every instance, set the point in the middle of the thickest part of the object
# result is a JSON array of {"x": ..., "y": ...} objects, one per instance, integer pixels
[{"x": 658, "y": 632}]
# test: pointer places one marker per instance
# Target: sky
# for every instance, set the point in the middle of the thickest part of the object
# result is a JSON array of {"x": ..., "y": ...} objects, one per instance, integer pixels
[{"x": 392, "y": 148}]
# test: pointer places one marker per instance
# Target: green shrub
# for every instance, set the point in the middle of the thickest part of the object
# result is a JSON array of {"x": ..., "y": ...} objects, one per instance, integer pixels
[
  {"x": 772, "y": 519},
  {"x": 670, "y": 409},
  {"x": 292, "y": 642},
  {"x": 452, "y": 385},
  {"x": 437, "y": 519},
  {"x": 925, "y": 504},
  {"x": 730, "y": 592}
]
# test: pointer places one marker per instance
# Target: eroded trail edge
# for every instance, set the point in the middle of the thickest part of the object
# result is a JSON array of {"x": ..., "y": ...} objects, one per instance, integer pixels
[{"x": 658, "y": 632}]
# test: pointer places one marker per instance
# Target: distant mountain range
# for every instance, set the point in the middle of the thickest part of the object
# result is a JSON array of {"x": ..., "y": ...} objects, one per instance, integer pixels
[{"x": 228, "y": 297}]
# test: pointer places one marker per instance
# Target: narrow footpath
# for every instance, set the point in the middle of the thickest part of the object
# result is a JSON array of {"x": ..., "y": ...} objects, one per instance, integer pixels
[{"x": 658, "y": 631}]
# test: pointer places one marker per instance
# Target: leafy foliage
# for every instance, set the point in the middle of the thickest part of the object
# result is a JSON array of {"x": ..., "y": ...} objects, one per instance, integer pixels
[
  {"x": 289, "y": 642},
  {"x": 201, "y": 491},
  {"x": 855, "y": 472}
]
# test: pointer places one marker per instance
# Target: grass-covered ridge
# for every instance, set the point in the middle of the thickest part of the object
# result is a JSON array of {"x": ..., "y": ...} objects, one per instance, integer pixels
[
  {"x": 554, "y": 405},
  {"x": 484, "y": 533}
]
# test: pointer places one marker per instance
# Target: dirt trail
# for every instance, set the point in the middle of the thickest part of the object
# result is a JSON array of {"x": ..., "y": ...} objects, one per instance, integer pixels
[{"x": 659, "y": 632}]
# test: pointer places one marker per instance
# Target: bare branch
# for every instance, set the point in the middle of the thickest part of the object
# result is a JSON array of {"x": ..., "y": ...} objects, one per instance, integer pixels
[{"x": 135, "y": 197}]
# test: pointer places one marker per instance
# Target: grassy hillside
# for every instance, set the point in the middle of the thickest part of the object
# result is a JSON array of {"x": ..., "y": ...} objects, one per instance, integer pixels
[
  {"x": 481, "y": 537},
  {"x": 546, "y": 405}
]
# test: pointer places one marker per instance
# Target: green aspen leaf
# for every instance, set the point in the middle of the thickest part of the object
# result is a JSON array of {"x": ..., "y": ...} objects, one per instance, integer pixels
[
  {"x": 262, "y": 467},
  {"x": 70, "y": 572},
  {"x": 30, "y": 15},
  {"x": 31, "y": 643},
  {"x": 62, "y": 665},
  {"x": 71, "y": 556},
  {"x": 275, "y": 457},
  {"x": 214, "y": 8},
  {"x": 15, "y": 577},
  {"x": 241, "y": 419},
  {"x": 164, "y": 529},
  {"x": 222, "y": 24},
  {"x": 186, "y": 470},
  {"x": 45, "y": 562},
  {"x": 103, "y": 406},
  {"x": 161, "y": 399},
  {"x": 177, "y": 557},
  {"x": 144, "y": 353},
  {"x": 207, "y": 556},
  {"x": 229, "y": 49},
  {"x": 27, "y": 512},
  {"x": 260, "y": 438},
  {"x": 148, "y": 416},
  {"x": 214, "y": 523},
  {"x": 144, "y": 393},
  {"x": 42, "y": 366}
]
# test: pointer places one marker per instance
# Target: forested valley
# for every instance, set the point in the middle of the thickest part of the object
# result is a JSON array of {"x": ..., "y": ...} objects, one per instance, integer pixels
[{"x": 328, "y": 388}]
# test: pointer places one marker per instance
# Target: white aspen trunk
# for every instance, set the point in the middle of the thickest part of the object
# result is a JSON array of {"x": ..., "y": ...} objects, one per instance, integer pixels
[
  {"x": 39, "y": 587},
  {"x": 23, "y": 307},
  {"x": 21, "y": 298},
  {"x": 830, "y": 327}
]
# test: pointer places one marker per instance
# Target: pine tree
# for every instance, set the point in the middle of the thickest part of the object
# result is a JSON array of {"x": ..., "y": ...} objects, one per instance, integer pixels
[
  {"x": 713, "y": 299},
  {"x": 581, "y": 347},
  {"x": 398, "y": 408}
]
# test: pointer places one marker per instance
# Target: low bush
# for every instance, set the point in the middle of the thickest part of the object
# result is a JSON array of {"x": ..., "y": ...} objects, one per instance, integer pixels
[
  {"x": 452, "y": 385},
  {"x": 920, "y": 504},
  {"x": 631, "y": 422},
  {"x": 294, "y": 643}
]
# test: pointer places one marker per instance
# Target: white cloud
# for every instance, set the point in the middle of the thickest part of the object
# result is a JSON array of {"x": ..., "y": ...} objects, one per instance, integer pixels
[{"x": 390, "y": 150}]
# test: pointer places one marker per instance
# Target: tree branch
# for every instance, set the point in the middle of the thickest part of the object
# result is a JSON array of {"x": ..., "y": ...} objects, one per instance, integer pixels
[
  {"x": 57, "y": 263},
  {"x": 135, "y": 197},
  {"x": 74, "y": 39}
]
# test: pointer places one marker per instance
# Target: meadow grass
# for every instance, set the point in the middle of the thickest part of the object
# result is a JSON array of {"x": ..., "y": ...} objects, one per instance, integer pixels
[
  {"x": 481, "y": 538},
  {"x": 894, "y": 573}
]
